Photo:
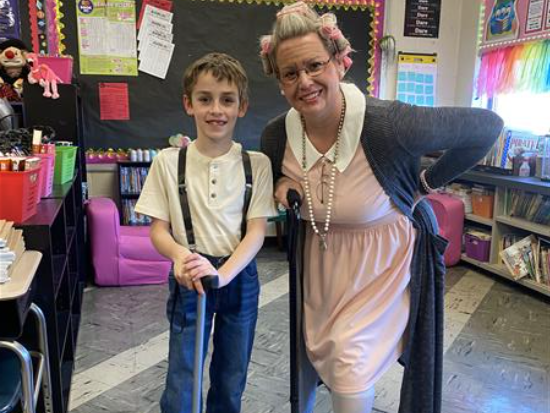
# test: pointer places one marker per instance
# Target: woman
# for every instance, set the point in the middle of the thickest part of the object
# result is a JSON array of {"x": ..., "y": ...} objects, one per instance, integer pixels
[{"x": 371, "y": 259}]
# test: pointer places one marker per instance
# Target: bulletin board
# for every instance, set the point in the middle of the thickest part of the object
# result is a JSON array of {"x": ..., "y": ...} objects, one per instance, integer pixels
[
  {"x": 511, "y": 22},
  {"x": 155, "y": 105}
]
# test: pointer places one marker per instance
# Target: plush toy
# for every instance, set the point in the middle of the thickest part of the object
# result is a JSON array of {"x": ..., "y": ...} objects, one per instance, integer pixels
[
  {"x": 13, "y": 68},
  {"x": 42, "y": 74}
]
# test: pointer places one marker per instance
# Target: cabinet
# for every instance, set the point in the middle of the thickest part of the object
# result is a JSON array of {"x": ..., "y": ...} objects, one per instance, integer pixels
[
  {"x": 132, "y": 176},
  {"x": 502, "y": 224}
]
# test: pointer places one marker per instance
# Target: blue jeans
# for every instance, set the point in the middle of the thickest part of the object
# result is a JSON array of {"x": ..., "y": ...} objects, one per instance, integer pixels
[{"x": 236, "y": 309}]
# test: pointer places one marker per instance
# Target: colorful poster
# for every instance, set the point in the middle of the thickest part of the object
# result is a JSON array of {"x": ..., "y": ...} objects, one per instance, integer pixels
[
  {"x": 107, "y": 37},
  {"x": 417, "y": 79},
  {"x": 510, "y": 22},
  {"x": 9, "y": 20},
  {"x": 503, "y": 21}
]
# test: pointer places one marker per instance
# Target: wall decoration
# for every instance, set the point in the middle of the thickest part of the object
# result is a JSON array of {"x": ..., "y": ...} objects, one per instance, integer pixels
[
  {"x": 522, "y": 67},
  {"x": 511, "y": 22},
  {"x": 417, "y": 78},
  {"x": 9, "y": 20},
  {"x": 113, "y": 101},
  {"x": 422, "y": 18},
  {"x": 156, "y": 104},
  {"x": 45, "y": 23},
  {"x": 107, "y": 37}
]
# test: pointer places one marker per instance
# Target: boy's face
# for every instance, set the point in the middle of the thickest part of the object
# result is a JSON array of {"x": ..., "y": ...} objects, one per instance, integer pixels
[{"x": 215, "y": 106}]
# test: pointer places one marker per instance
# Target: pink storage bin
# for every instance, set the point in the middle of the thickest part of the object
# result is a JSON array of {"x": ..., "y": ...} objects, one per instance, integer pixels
[
  {"x": 62, "y": 66},
  {"x": 47, "y": 169},
  {"x": 449, "y": 212},
  {"x": 477, "y": 247},
  {"x": 41, "y": 177}
]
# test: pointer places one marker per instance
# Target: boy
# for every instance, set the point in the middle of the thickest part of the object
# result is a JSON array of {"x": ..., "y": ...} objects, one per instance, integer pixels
[{"x": 224, "y": 228}]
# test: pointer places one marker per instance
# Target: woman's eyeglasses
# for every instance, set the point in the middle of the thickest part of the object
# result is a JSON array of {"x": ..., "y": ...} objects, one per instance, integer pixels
[{"x": 312, "y": 69}]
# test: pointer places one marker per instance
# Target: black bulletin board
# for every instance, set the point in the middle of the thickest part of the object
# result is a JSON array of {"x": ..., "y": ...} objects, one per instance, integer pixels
[{"x": 156, "y": 109}]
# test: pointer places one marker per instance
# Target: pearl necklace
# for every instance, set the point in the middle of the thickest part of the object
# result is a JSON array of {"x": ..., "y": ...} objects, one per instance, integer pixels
[{"x": 322, "y": 235}]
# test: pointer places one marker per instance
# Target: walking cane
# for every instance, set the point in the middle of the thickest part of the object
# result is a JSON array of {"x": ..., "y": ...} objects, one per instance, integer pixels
[
  {"x": 208, "y": 282},
  {"x": 293, "y": 231}
]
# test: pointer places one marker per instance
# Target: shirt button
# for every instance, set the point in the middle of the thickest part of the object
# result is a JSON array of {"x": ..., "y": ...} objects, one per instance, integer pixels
[
  {"x": 214, "y": 182},
  {"x": 213, "y": 195}
]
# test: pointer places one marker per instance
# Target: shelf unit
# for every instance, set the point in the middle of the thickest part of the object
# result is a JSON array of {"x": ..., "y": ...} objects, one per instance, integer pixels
[
  {"x": 502, "y": 224},
  {"x": 129, "y": 190},
  {"x": 57, "y": 230}
]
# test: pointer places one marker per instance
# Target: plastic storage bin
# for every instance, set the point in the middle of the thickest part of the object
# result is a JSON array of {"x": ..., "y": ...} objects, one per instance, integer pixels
[
  {"x": 65, "y": 158},
  {"x": 18, "y": 189},
  {"x": 47, "y": 173},
  {"x": 477, "y": 245},
  {"x": 482, "y": 202}
]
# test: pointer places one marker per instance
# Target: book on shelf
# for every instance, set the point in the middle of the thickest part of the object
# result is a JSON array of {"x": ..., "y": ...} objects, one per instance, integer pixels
[
  {"x": 509, "y": 144},
  {"x": 528, "y": 257},
  {"x": 130, "y": 216},
  {"x": 527, "y": 205},
  {"x": 132, "y": 179}
]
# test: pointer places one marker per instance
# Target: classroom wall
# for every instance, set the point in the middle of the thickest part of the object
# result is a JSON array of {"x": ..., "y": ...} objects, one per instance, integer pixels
[
  {"x": 156, "y": 109},
  {"x": 455, "y": 48}
]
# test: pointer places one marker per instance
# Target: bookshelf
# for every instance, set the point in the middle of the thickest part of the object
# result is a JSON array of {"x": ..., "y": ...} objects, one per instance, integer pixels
[
  {"x": 502, "y": 224},
  {"x": 131, "y": 176},
  {"x": 57, "y": 230}
]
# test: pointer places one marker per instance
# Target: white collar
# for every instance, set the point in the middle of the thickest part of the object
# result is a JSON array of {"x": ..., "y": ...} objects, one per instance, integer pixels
[{"x": 354, "y": 119}]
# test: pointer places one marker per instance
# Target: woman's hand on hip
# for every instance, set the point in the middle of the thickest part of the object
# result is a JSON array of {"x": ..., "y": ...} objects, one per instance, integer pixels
[{"x": 282, "y": 187}]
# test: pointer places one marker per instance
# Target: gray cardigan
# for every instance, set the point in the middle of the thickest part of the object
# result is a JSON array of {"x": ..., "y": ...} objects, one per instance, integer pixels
[{"x": 394, "y": 137}]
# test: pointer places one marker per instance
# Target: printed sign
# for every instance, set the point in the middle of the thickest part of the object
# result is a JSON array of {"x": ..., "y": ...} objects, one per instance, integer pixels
[{"x": 422, "y": 18}]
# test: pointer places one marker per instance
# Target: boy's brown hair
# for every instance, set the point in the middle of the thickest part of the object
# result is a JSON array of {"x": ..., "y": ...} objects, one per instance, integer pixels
[{"x": 222, "y": 67}]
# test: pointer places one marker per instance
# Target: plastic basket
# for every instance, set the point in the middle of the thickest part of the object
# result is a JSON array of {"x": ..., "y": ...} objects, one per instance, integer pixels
[
  {"x": 18, "y": 189},
  {"x": 482, "y": 204},
  {"x": 47, "y": 170},
  {"x": 65, "y": 158},
  {"x": 476, "y": 247},
  {"x": 41, "y": 178}
]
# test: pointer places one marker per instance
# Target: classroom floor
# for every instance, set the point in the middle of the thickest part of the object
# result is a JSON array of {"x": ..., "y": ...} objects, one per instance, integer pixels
[{"x": 497, "y": 348}]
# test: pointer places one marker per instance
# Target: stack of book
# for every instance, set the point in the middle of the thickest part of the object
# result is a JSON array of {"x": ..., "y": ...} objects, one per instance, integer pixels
[
  {"x": 529, "y": 257},
  {"x": 12, "y": 246}
]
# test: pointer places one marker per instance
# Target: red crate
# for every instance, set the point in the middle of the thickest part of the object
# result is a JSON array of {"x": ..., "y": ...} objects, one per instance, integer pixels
[{"x": 18, "y": 194}]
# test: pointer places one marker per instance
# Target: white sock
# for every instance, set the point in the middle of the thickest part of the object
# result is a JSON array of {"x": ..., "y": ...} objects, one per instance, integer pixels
[{"x": 361, "y": 402}]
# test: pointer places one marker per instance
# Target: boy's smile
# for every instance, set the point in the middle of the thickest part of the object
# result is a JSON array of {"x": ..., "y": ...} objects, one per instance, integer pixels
[{"x": 215, "y": 105}]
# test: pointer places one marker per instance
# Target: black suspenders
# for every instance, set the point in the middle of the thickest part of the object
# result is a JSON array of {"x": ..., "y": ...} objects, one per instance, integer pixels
[{"x": 182, "y": 188}]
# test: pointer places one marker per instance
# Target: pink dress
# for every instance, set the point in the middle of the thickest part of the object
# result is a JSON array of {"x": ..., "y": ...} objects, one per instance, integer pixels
[{"x": 356, "y": 297}]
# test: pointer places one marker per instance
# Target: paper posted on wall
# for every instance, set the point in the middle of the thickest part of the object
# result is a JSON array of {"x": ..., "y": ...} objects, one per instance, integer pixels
[
  {"x": 155, "y": 57},
  {"x": 155, "y": 41}
]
